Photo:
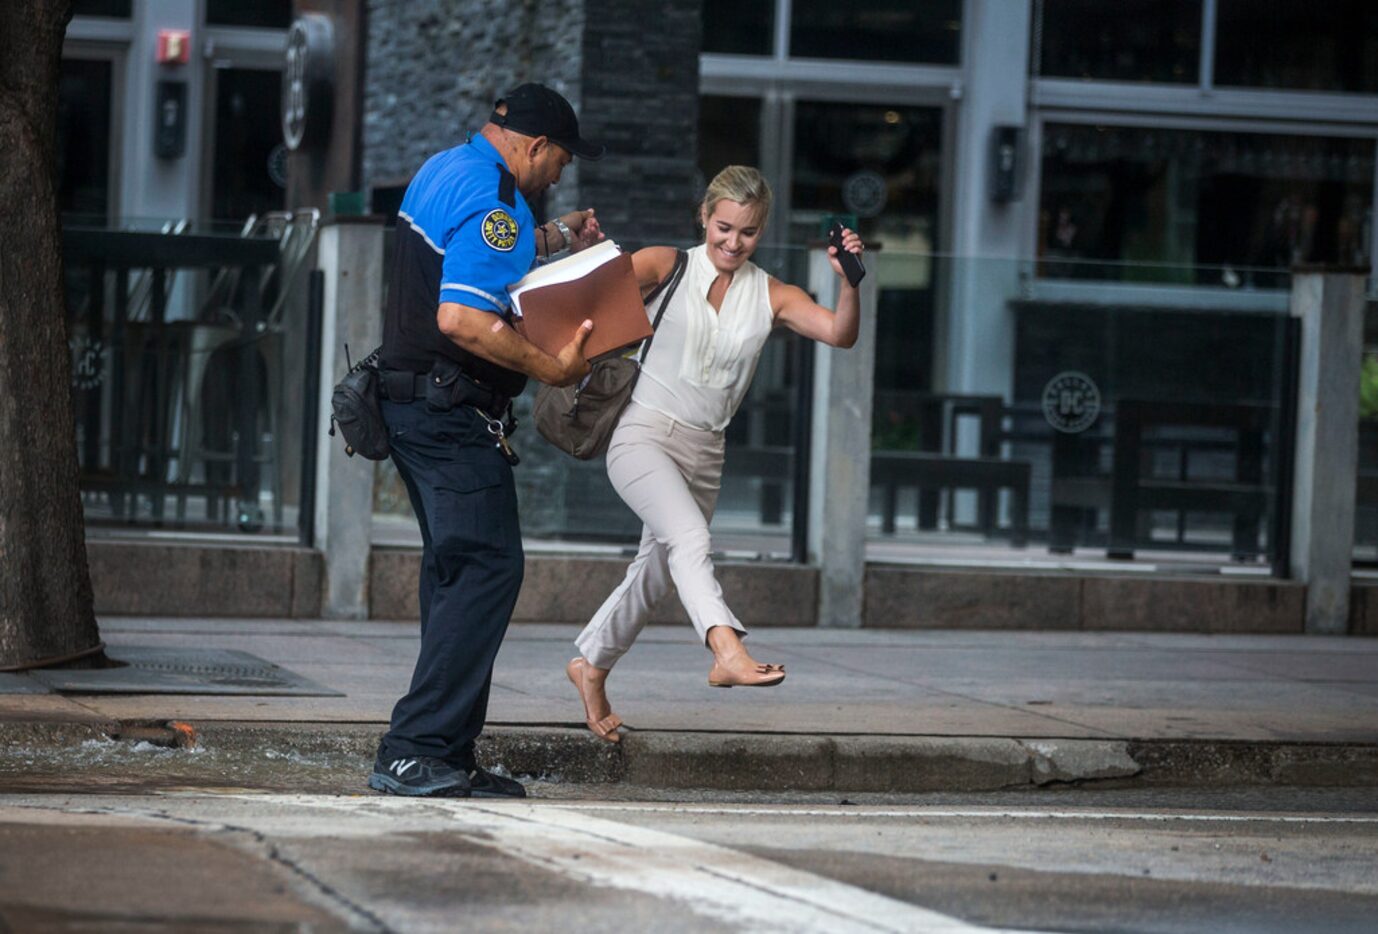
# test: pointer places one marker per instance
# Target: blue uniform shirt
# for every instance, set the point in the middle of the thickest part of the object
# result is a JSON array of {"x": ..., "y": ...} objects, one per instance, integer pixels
[{"x": 464, "y": 234}]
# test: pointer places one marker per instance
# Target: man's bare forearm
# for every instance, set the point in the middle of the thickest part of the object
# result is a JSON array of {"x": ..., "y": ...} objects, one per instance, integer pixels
[{"x": 485, "y": 335}]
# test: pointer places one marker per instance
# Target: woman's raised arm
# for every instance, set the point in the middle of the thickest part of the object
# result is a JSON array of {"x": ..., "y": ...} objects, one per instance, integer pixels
[{"x": 795, "y": 310}]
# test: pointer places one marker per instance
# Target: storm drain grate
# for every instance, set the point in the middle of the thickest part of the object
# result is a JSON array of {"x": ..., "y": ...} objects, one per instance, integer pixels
[{"x": 154, "y": 670}]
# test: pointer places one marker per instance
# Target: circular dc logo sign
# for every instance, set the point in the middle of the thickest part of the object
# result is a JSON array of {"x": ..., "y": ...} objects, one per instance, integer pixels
[
  {"x": 864, "y": 193},
  {"x": 1071, "y": 402},
  {"x": 88, "y": 362}
]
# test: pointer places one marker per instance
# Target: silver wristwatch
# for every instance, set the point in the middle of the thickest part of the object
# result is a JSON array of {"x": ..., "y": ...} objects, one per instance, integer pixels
[{"x": 565, "y": 232}]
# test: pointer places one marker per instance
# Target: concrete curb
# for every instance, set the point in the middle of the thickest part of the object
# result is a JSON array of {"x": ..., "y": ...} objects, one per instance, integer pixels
[
  {"x": 23, "y": 733},
  {"x": 783, "y": 762}
]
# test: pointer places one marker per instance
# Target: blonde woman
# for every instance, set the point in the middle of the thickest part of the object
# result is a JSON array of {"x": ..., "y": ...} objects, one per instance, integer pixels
[{"x": 666, "y": 455}]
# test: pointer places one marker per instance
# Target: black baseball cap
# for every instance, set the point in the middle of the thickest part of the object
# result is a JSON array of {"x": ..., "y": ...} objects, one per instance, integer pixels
[{"x": 536, "y": 110}]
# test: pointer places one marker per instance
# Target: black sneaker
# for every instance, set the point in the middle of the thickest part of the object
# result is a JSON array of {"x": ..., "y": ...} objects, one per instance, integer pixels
[
  {"x": 420, "y": 776},
  {"x": 484, "y": 784}
]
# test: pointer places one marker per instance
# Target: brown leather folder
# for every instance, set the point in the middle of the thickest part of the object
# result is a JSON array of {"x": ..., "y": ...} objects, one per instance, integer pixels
[{"x": 608, "y": 295}]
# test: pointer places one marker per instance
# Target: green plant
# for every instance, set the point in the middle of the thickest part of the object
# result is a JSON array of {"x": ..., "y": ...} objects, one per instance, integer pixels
[
  {"x": 891, "y": 431},
  {"x": 1368, "y": 387}
]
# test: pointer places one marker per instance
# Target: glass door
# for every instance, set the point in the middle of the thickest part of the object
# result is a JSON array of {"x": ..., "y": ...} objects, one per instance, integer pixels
[
  {"x": 882, "y": 164},
  {"x": 84, "y": 144},
  {"x": 86, "y": 197},
  {"x": 247, "y": 157}
]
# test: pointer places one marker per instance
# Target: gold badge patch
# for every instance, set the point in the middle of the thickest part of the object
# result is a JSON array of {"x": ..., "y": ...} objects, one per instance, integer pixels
[{"x": 500, "y": 230}]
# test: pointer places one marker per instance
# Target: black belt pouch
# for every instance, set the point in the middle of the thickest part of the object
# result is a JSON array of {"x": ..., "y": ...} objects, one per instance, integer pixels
[
  {"x": 442, "y": 386},
  {"x": 399, "y": 385}
]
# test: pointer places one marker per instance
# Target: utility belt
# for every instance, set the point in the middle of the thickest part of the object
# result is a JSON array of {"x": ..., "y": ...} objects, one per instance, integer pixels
[{"x": 443, "y": 388}]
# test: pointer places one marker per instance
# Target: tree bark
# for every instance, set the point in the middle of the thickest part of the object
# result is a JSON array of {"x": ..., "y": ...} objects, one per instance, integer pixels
[{"x": 46, "y": 613}]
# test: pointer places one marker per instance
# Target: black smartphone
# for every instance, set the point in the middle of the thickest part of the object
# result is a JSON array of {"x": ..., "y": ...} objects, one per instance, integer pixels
[{"x": 851, "y": 263}]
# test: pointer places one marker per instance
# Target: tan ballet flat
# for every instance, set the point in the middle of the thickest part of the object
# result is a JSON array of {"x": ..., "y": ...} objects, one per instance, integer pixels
[
  {"x": 762, "y": 676},
  {"x": 606, "y": 728}
]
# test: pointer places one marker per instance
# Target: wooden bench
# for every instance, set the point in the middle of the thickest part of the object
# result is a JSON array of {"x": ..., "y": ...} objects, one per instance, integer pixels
[{"x": 923, "y": 470}]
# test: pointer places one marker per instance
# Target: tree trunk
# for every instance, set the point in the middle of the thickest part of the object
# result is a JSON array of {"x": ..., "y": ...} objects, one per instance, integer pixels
[{"x": 46, "y": 614}]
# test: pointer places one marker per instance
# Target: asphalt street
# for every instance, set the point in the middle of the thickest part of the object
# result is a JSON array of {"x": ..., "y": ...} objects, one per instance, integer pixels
[
  {"x": 1264, "y": 860},
  {"x": 1149, "y": 782}
]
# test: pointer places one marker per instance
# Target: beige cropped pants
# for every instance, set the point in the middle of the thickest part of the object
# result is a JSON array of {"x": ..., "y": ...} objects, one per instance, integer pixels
[{"x": 669, "y": 474}]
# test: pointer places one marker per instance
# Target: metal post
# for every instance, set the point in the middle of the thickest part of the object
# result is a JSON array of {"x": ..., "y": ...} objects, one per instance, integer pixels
[
  {"x": 351, "y": 260},
  {"x": 310, "y": 428},
  {"x": 803, "y": 439},
  {"x": 1330, "y": 306},
  {"x": 246, "y": 401},
  {"x": 840, "y": 458},
  {"x": 1281, "y": 459}
]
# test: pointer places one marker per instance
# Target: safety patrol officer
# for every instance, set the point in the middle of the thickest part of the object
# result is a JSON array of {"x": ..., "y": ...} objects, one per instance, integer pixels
[{"x": 451, "y": 364}]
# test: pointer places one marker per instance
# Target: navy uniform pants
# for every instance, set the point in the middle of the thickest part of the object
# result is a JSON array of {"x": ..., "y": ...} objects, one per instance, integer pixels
[{"x": 462, "y": 491}]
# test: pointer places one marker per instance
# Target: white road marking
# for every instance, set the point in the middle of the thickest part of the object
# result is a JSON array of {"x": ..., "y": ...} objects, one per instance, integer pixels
[
  {"x": 712, "y": 880},
  {"x": 786, "y": 810},
  {"x": 738, "y": 890}
]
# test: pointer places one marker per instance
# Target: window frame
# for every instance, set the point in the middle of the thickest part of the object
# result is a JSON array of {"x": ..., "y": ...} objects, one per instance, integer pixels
[
  {"x": 1204, "y": 95},
  {"x": 1211, "y": 22},
  {"x": 98, "y": 29},
  {"x": 230, "y": 47},
  {"x": 116, "y": 53},
  {"x": 780, "y": 55},
  {"x": 778, "y": 80},
  {"x": 1204, "y": 65},
  {"x": 778, "y": 83},
  {"x": 1195, "y": 296},
  {"x": 1202, "y": 106}
]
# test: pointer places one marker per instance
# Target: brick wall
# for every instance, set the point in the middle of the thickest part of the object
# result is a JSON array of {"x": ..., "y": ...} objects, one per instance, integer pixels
[
  {"x": 436, "y": 66},
  {"x": 630, "y": 67},
  {"x": 640, "y": 95}
]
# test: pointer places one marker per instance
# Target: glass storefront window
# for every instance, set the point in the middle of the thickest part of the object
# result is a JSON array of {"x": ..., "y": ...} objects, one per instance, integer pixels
[
  {"x": 83, "y": 139},
  {"x": 878, "y": 30},
  {"x": 250, "y": 158},
  {"x": 1366, "y": 485},
  {"x": 729, "y": 134},
  {"x": 1195, "y": 207},
  {"x": 883, "y": 165},
  {"x": 1331, "y": 46},
  {"x": 117, "y": 9},
  {"x": 740, "y": 27},
  {"x": 1186, "y": 445},
  {"x": 874, "y": 161},
  {"x": 1131, "y": 40},
  {"x": 187, "y": 372},
  {"x": 272, "y": 14}
]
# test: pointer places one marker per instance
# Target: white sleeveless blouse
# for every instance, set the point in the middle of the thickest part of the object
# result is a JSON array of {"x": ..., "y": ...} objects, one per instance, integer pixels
[{"x": 701, "y": 362}]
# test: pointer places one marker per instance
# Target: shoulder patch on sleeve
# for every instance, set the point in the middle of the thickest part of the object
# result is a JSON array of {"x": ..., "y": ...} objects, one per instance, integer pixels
[
  {"x": 507, "y": 186},
  {"x": 499, "y": 230}
]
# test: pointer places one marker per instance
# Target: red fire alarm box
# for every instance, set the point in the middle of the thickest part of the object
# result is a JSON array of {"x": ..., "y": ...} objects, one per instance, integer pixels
[{"x": 174, "y": 46}]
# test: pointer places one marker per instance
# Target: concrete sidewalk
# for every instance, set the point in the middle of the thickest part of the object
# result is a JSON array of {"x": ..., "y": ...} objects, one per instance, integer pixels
[{"x": 860, "y": 710}]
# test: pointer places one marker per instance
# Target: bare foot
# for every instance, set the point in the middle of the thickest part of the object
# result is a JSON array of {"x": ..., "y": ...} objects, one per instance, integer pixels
[
  {"x": 733, "y": 664},
  {"x": 598, "y": 715}
]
